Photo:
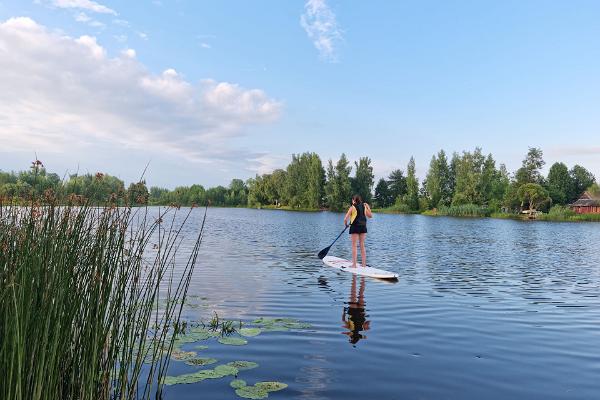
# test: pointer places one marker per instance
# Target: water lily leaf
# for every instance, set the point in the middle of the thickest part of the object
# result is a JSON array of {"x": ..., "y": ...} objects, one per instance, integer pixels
[
  {"x": 251, "y": 392},
  {"x": 225, "y": 370},
  {"x": 233, "y": 341},
  {"x": 201, "y": 361},
  {"x": 243, "y": 365},
  {"x": 180, "y": 355},
  {"x": 250, "y": 332},
  {"x": 271, "y": 386},
  {"x": 198, "y": 376},
  {"x": 237, "y": 383},
  {"x": 200, "y": 347}
]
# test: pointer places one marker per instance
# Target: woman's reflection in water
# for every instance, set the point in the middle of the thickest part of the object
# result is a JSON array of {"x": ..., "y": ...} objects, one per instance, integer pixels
[{"x": 354, "y": 317}]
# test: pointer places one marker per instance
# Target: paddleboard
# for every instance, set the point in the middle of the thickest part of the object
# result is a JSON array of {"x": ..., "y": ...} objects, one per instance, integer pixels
[{"x": 345, "y": 265}]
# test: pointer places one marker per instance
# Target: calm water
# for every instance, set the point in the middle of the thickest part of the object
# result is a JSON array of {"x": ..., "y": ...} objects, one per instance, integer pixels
[{"x": 484, "y": 309}]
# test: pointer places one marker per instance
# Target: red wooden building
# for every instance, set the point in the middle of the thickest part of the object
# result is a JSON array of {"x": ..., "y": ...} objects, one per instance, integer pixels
[{"x": 588, "y": 203}]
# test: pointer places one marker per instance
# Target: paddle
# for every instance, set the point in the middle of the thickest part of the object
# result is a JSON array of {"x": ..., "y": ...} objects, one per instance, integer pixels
[{"x": 324, "y": 252}]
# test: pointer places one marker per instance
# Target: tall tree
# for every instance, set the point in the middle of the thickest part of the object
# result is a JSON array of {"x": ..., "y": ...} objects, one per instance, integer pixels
[
  {"x": 397, "y": 185},
  {"x": 582, "y": 179},
  {"x": 382, "y": 194},
  {"x": 338, "y": 186},
  {"x": 530, "y": 171},
  {"x": 363, "y": 179},
  {"x": 412, "y": 186},
  {"x": 438, "y": 183},
  {"x": 559, "y": 183}
]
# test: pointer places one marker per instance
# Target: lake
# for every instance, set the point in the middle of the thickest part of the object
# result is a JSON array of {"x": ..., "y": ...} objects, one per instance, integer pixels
[{"x": 483, "y": 309}]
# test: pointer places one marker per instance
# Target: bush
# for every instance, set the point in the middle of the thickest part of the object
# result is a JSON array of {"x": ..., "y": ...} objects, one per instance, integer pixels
[{"x": 464, "y": 210}]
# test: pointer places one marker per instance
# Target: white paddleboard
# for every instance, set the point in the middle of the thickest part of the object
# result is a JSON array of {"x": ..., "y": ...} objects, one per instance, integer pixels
[{"x": 345, "y": 265}]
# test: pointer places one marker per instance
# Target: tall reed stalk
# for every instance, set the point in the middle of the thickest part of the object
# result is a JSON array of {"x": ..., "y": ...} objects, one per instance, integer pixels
[{"x": 79, "y": 300}]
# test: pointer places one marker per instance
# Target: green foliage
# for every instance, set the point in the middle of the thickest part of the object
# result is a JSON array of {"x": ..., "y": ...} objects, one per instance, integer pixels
[
  {"x": 382, "y": 196},
  {"x": 411, "y": 198},
  {"x": 438, "y": 182},
  {"x": 532, "y": 194},
  {"x": 77, "y": 302},
  {"x": 397, "y": 185},
  {"x": 530, "y": 171},
  {"x": 582, "y": 179},
  {"x": 559, "y": 184},
  {"x": 362, "y": 183},
  {"x": 464, "y": 210},
  {"x": 338, "y": 188}
]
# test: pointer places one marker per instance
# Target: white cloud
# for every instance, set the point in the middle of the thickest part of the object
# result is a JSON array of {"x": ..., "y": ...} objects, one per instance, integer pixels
[
  {"x": 88, "y": 5},
  {"x": 82, "y": 17},
  {"x": 205, "y": 45},
  {"x": 321, "y": 26},
  {"x": 80, "y": 98},
  {"x": 142, "y": 35}
]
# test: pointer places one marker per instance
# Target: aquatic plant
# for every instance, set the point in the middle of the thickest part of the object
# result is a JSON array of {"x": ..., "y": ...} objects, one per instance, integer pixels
[
  {"x": 259, "y": 390},
  {"x": 78, "y": 299},
  {"x": 219, "y": 371},
  {"x": 243, "y": 365},
  {"x": 250, "y": 332},
  {"x": 233, "y": 341},
  {"x": 201, "y": 361}
]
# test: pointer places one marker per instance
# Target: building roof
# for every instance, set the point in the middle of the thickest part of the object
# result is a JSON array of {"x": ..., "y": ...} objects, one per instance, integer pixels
[{"x": 587, "y": 200}]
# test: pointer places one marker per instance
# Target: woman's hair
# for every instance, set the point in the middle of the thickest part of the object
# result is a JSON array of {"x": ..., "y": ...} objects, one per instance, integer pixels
[{"x": 357, "y": 199}]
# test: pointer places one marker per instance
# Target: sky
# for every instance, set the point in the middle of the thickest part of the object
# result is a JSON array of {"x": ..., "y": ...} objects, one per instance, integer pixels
[{"x": 206, "y": 91}]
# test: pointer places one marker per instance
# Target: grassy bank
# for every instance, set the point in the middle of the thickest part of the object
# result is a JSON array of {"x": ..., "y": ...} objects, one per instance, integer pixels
[
  {"x": 78, "y": 301},
  {"x": 556, "y": 213}
]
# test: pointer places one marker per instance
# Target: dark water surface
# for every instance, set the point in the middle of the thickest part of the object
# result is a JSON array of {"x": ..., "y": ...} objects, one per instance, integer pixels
[{"x": 484, "y": 308}]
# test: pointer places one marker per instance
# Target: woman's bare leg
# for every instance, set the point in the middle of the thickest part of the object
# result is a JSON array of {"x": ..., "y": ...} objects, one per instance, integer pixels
[
  {"x": 363, "y": 252},
  {"x": 354, "y": 238}
]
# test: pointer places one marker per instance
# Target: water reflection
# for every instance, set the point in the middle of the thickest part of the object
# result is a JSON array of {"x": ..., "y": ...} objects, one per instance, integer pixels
[{"x": 354, "y": 316}]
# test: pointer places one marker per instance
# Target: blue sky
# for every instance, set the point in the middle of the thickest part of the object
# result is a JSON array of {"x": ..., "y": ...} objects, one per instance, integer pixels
[{"x": 211, "y": 90}]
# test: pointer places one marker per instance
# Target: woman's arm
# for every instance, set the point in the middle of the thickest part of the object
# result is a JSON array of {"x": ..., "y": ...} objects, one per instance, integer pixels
[
  {"x": 368, "y": 212},
  {"x": 347, "y": 216}
]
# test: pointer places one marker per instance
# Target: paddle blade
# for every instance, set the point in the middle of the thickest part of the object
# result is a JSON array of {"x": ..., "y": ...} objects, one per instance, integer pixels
[{"x": 323, "y": 252}]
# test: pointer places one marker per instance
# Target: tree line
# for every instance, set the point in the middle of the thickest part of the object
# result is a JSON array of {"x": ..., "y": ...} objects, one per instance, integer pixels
[{"x": 467, "y": 178}]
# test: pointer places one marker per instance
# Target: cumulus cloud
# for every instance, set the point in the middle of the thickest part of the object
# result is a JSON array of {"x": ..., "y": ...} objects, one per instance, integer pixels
[
  {"x": 88, "y": 5},
  {"x": 64, "y": 94},
  {"x": 321, "y": 26}
]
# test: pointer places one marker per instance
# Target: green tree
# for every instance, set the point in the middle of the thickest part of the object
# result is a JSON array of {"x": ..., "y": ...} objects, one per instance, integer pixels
[
  {"x": 382, "y": 194},
  {"x": 582, "y": 179},
  {"x": 533, "y": 195},
  {"x": 338, "y": 188},
  {"x": 438, "y": 183},
  {"x": 412, "y": 186},
  {"x": 362, "y": 184},
  {"x": 559, "y": 183},
  {"x": 137, "y": 193},
  {"x": 530, "y": 171},
  {"x": 397, "y": 185}
]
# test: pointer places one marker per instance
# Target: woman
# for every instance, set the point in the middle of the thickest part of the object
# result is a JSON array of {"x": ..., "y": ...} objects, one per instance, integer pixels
[{"x": 357, "y": 214}]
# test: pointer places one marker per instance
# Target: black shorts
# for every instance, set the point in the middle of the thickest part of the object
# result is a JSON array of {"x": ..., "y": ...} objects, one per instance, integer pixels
[{"x": 358, "y": 229}]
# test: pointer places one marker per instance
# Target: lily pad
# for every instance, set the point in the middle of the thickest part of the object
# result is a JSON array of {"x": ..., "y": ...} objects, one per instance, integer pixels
[
  {"x": 251, "y": 392},
  {"x": 250, "y": 332},
  {"x": 233, "y": 341},
  {"x": 243, "y": 365},
  {"x": 201, "y": 361},
  {"x": 271, "y": 386},
  {"x": 200, "y": 347},
  {"x": 180, "y": 355},
  {"x": 237, "y": 383},
  {"x": 198, "y": 376}
]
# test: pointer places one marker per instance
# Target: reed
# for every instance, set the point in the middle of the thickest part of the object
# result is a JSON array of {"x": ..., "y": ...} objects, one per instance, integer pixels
[{"x": 79, "y": 300}]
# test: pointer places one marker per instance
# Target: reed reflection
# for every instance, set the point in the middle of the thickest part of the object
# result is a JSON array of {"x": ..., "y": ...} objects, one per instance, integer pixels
[{"x": 354, "y": 316}]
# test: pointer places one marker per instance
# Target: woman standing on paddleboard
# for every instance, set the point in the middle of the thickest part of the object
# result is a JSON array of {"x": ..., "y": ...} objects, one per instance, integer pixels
[{"x": 357, "y": 214}]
